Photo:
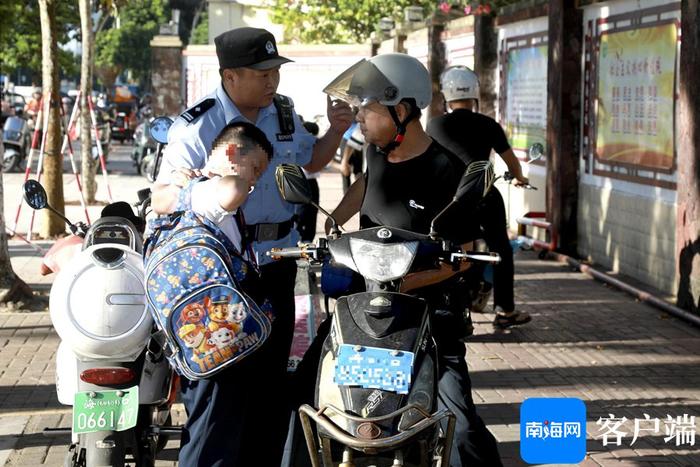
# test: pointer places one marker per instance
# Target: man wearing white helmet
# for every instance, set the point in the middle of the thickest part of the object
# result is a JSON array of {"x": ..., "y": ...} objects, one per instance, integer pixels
[
  {"x": 409, "y": 179},
  {"x": 472, "y": 136}
]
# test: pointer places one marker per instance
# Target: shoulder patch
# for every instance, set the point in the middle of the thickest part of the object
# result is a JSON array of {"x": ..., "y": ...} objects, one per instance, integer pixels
[{"x": 197, "y": 110}]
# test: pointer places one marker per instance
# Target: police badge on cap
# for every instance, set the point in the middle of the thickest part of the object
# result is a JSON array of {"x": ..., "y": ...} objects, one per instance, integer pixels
[{"x": 248, "y": 47}]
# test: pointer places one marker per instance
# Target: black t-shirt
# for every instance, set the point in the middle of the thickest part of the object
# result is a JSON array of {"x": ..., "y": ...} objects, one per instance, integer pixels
[
  {"x": 409, "y": 194},
  {"x": 469, "y": 135}
]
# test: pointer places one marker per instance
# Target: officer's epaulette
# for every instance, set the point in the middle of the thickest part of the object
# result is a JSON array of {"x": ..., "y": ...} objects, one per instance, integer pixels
[{"x": 197, "y": 110}]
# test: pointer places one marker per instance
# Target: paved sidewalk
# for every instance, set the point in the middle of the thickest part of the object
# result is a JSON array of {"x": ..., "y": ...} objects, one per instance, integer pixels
[{"x": 586, "y": 340}]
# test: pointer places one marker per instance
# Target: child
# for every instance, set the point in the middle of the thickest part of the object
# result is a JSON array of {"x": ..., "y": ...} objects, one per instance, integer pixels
[{"x": 220, "y": 428}]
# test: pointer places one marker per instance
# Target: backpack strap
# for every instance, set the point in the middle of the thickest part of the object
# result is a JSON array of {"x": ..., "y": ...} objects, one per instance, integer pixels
[{"x": 285, "y": 113}]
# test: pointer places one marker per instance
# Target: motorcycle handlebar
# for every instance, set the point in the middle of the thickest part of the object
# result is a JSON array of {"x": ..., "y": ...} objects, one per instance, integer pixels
[
  {"x": 477, "y": 256},
  {"x": 301, "y": 251},
  {"x": 509, "y": 177}
]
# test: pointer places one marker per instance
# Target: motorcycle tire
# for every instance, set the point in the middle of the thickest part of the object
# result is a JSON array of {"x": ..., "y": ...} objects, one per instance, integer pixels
[
  {"x": 146, "y": 168},
  {"x": 11, "y": 163},
  {"x": 75, "y": 457}
]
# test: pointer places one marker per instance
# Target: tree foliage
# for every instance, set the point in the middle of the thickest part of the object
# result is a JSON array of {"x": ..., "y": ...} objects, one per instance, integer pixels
[
  {"x": 352, "y": 21},
  {"x": 20, "y": 36},
  {"x": 200, "y": 34},
  {"x": 123, "y": 43},
  {"x": 342, "y": 21}
]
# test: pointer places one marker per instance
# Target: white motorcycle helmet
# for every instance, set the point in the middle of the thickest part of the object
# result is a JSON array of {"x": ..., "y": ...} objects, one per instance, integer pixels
[
  {"x": 459, "y": 83},
  {"x": 387, "y": 79}
]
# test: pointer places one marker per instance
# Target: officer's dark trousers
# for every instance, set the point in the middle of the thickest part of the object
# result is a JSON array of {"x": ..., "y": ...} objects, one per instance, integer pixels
[
  {"x": 473, "y": 444},
  {"x": 492, "y": 217},
  {"x": 240, "y": 416}
]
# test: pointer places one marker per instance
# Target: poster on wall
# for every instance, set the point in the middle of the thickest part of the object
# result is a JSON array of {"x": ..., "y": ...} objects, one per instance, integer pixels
[
  {"x": 636, "y": 95},
  {"x": 525, "y": 119}
]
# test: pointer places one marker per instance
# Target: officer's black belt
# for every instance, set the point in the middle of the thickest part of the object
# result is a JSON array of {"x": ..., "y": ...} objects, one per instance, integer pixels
[{"x": 267, "y": 232}]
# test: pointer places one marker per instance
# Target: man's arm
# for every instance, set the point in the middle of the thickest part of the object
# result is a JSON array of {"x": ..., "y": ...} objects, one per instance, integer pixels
[
  {"x": 514, "y": 166},
  {"x": 340, "y": 116},
  {"x": 349, "y": 205},
  {"x": 420, "y": 279}
]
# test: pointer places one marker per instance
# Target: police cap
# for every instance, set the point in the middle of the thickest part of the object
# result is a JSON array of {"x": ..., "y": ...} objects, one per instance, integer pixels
[{"x": 248, "y": 47}]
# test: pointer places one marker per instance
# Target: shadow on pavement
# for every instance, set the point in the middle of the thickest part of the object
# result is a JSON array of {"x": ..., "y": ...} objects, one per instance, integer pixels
[{"x": 616, "y": 377}]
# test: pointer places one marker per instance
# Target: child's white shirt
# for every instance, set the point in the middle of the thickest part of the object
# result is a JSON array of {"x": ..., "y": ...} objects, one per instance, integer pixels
[{"x": 204, "y": 202}]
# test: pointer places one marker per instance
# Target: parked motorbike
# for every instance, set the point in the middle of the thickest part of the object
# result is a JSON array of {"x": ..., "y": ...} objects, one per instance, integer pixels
[
  {"x": 144, "y": 145},
  {"x": 158, "y": 132},
  {"x": 124, "y": 123},
  {"x": 104, "y": 130},
  {"x": 376, "y": 392},
  {"x": 109, "y": 365},
  {"x": 16, "y": 138}
]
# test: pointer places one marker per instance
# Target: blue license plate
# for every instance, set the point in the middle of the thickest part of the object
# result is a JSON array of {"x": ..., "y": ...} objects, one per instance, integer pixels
[{"x": 373, "y": 367}]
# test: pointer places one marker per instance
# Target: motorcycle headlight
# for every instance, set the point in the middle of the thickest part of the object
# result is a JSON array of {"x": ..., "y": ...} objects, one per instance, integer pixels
[{"x": 382, "y": 262}]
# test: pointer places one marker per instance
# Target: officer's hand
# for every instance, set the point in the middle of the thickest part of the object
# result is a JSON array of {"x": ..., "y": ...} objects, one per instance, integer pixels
[
  {"x": 180, "y": 177},
  {"x": 522, "y": 181},
  {"x": 339, "y": 114}
]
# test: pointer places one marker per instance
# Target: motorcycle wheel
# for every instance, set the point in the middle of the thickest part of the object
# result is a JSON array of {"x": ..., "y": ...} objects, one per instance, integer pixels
[
  {"x": 75, "y": 457},
  {"x": 11, "y": 163},
  {"x": 146, "y": 168}
]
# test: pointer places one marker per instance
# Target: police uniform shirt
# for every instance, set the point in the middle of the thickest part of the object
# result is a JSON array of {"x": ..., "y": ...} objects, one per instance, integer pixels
[
  {"x": 189, "y": 144},
  {"x": 469, "y": 135}
]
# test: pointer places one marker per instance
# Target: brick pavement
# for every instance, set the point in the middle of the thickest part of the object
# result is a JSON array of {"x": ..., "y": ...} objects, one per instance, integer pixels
[{"x": 586, "y": 340}]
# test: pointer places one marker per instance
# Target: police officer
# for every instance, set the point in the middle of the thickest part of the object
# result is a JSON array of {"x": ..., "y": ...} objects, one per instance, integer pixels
[{"x": 249, "y": 65}]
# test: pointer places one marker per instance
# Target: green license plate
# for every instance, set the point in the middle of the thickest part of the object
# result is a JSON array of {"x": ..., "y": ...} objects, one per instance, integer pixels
[{"x": 105, "y": 410}]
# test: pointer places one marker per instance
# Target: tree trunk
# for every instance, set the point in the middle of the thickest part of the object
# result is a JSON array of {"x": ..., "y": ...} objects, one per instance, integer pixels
[
  {"x": 486, "y": 62},
  {"x": 563, "y": 121},
  {"x": 688, "y": 191},
  {"x": 12, "y": 288},
  {"x": 53, "y": 159},
  {"x": 88, "y": 164}
]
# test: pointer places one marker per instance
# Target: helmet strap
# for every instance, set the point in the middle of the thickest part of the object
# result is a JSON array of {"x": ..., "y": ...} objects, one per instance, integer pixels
[{"x": 400, "y": 128}]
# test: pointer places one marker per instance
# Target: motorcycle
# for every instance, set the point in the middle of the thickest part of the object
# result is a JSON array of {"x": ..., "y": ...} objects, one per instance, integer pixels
[
  {"x": 157, "y": 130},
  {"x": 17, "y": 141},
  {"x": 376, "y": 391},
  {"x": 104, "y": 131},
  {"x": 110, "y": 365},
  {"x": 144, "y": 145},
  {"x": 122, "y": 127}
]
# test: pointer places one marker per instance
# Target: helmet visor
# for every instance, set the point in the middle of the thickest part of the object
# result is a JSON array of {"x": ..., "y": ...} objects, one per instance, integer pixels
[{"x": 363, "y": 83}]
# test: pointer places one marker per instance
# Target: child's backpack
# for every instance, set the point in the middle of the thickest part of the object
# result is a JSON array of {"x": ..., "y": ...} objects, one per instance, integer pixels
[{"x": 193, "y": 287}]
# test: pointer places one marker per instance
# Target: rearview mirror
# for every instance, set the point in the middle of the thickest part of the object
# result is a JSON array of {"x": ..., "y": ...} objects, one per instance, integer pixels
[
  {"x": 35, "y": 195},
  {"x": 292, "y": 184},
  {"x": 295, "y": 188},
  {"x": 159, "y": 128},
  {"x": 535, "y": 152}
]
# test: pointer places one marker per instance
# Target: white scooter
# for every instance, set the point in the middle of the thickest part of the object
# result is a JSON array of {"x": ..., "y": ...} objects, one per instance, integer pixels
[{"x": 109, "y": 365}]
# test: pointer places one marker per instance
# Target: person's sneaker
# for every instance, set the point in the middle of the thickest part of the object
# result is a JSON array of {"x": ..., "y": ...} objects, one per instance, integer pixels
[{"x": 505, "y": 320}]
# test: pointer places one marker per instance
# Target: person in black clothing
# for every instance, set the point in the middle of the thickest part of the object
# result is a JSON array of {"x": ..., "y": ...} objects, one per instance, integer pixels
[
  {"x": 471, "y": 136},
  {"x": 409, "y": 179},
  {"x": 307, "y": 213}
]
